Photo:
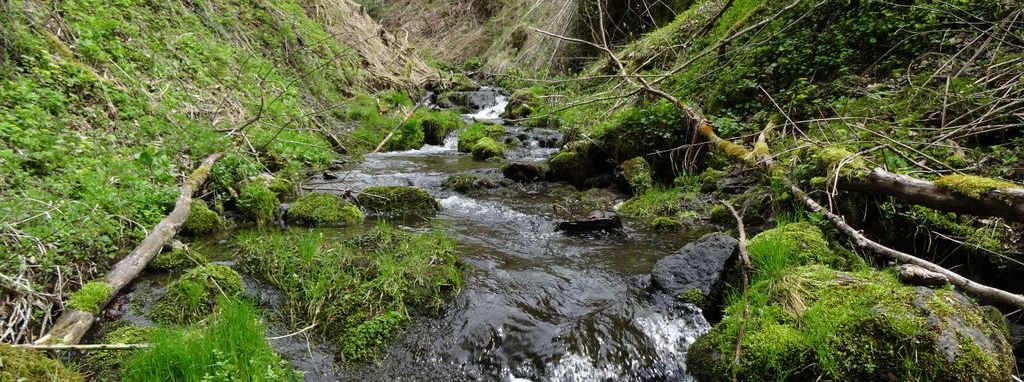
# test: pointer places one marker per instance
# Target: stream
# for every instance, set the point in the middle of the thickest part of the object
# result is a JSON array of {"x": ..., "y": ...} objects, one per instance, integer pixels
[{"x": 537, "y": 305}]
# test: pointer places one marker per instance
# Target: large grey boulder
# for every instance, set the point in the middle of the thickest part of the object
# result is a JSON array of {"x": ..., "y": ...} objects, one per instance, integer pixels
[{"x": 697, "y": 271}]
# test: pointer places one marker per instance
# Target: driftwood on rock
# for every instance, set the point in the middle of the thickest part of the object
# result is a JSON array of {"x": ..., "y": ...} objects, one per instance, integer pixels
[
  {"x": 1005, "y": 203},
  {"x": 73, "y": 323}
]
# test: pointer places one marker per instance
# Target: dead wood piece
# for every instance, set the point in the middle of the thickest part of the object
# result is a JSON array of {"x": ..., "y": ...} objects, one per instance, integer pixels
[
  {"x": 915, "y": 275},
  {"x": 73, "y": 323}
]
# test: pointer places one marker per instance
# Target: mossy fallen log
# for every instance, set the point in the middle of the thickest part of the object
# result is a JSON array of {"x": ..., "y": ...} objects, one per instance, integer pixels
[{"x": 73, "y": 323}]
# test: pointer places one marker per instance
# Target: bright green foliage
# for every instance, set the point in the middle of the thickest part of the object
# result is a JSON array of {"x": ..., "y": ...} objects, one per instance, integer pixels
[
  {"x": 464, "y": 183},
  {"x": 775, "y": 251},
  {"x": 178, "y": 258},
  {"x": 436, "y": 125},
  {"x": 469, "y": 136},
  {"x": 656, "y": 202},
  {"x": 233, "y": 169},
  {"x": 192, "y": 296},
  {"x": 637, "y": 131},
  {"x": 376, "y": 120},
  {"x": 231, "y": 348},
  {"x": 106, "y": 365},
  {"x": 321, "y": 209},
  {"x": 972, "y": 185},
  {"x": 91, "y": 297},
  {"x": 27, "y": 365},
  {"x": 815, "y": 322},
  {"x": 638, "y": 174},
  {"x": 693, "y": 296},
  {"x": 521, "y": 104},
  {"x": 359, "y": 290},
  {"x": 487, "y": 148},
  {"x": 202, "y": 220},
  {"x": 706, "y": 181},
  {"x": 666, "y": 224},
  {"x": 398, "y": 200},
  {"x": 258, "y": 203}
]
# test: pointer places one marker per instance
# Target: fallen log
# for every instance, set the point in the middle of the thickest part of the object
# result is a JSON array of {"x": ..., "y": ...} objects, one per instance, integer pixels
[
  {"x": 594, "y": 221},
  {"x": 73, "y": 323},
  {"x": 1007, "y": 203}
]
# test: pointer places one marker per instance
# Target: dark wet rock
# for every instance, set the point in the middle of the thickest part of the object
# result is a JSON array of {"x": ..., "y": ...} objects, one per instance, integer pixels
[
  {"x": 466, "y": 183},
  {"x": 525, "y": 172},
  {"x": 698, "y": 266},
  {"x": 596, "y": 220},
  {"x": 472, "y": 100}
]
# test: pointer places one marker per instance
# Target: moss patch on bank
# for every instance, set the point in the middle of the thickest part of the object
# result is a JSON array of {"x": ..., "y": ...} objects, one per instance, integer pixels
[
  {"x": 398, "y": 201},
  {"x": 26, "y": 365},
  {"x": 323, "y": 209},
  {"x": 193, "y": 296},
  {"x": 91, "y": 297},
  {"x": 359, "y": 290}
]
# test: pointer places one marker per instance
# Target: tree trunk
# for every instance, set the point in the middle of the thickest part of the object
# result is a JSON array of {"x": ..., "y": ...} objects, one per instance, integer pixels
[{"x": 73, "y": 323}]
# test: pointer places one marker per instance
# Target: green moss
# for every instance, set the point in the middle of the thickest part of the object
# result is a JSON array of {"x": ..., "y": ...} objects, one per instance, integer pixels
[
  {"x": 398, "y": 200},
  {"x": 192, "y": 296},
  {"x": 815, "y": 322},
  {"x": 462, "y": 183},
  {"x": 487, "y": 148},
  {"x": 437, "y": 125},
  {"x": 361, "y": 290},
  {"x": 469, "y": 136},
  {"x": 831, "y": 158},
  {"x": 656, "y": 202},
  {"x": 693, "y": 296},
  {"x": 26, "y": 365},
  {"x": 232, "y": 169},
  {"x": 178, "y": 258},
  {"x": 521, "y": 104},
  {"x": 283, "y": 188},
  {"x": 570, "y": 166},
  {"x": 666, "y": 224},
  {"x": 638, "y": 175},
  {"x": 106, "y": 366},
  {"x": 775, "y": 251},
  {"x": 972, "y": 185},
  {"x": 202, "y": 220},
  {"x": 91, "y": 297},
  {"x": 320, "y": 209},
  {"x": 258, "y": 203}
]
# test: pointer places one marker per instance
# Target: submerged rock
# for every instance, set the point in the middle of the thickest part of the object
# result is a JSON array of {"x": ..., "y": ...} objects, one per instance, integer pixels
[
  {"x": 465, "y": 183},
  {"x": 323, "y": 209},
  {"x": 398, "y": 200},
  {"x": 698, "y": 268},
  {"x": 525, "y": 172},
  {"x": 815, "y": 323}
]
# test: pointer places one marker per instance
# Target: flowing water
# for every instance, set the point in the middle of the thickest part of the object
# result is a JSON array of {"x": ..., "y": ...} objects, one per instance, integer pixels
[{"x": 537, "y": 305}]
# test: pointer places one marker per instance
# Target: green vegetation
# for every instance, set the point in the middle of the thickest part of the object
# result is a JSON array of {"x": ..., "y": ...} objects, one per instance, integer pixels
[
  {"x": 231, "y": 347},
  {"x": 177, "y": 258},
  {"x": 193, "y": 296},
  {"x": 202, "y": 220},
  {"x": 27, "y": 365},
  {"x": 107, "y": 365},
  {"x": 91, "y": 297},
  {"x": 813, "y": 321},
  {"x": 377, "y": 119},
  {"x": 656, "y": 202},
  {"x": 638, "y": 175},
  {"x": 666, "y": 224},
  {"x": 258, "y": 203},
  {"x": 465, "y": 183},
  {"x": 972, "y": 185},
  {"x": 775, "y": 251},
  {"x": 398, "y": 201},
  {"x": 487, "y": 149},
  {"x": 469, "y": 136},
  {"x": 322, "y": 209},
  {"x": 693, "y": 296},
  {"x": 359, "y": 290}
]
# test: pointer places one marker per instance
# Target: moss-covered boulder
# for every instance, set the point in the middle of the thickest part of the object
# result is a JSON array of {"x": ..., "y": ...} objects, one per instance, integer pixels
[
  {"x": 666, "y": 224},
  {"x": 176, "y": 258},
  {"x": 521, "y": 104},
  {"x": 202, "y": 220},
  {"x": 26, "y": 365},
  {"x": 193, "y": 296},
  {"x": 398, "y": 200},
  {"x": 469, "y": 136},
  {"x": 465, "y": 183},
  {"x": 638, "y": 175},
  {"x": 105, "y": 365},
  {"x": 774, "y": 251},
  {"x": 815, "y": 323},
  {"x": 487, "y": 148},
  {"x": 570, "y": 166},
  {"x": 323, "y": 209},
  {"x": 436, "y": 125},
  {"x": 257, "y": 202}
]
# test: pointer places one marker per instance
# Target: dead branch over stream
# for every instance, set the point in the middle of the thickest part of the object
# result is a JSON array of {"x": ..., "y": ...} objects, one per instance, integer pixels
[{"x": 73, "y": 323}]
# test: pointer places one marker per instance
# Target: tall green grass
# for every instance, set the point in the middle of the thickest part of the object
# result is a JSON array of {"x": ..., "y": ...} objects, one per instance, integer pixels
[{"x": 232, "y": 348}]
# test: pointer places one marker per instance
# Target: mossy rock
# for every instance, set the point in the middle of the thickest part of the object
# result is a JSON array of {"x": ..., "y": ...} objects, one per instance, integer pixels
[
  {"x": 193, "y": 296},
  {"x": 466, "y": 183},
  {"x": 257, "y": 202},
  {"x": 638, "y": 175},
  {"x": 323, "y": 209},
  {"x": 525, "y": 172},
  {"x": 91, "y": 297},
  {"x": 177, "y": 258},
  {"x": 666, "y": 224},
  {"x": 706, "y": 181},
  {"x": 27, "y": 365},
  {"x": 487, "y": 148},
  {"x": 520, "y": 105},
  {"x": 816, "y": 323},
  {"x": 105, "y": 365},
  {"x": 469, "y": 136},
  {"x": 398, "y": 200},
  {"x": 774, "y": 251},
  {"x": 570, "y": 166},
  {"x": 202, "y": 220}
]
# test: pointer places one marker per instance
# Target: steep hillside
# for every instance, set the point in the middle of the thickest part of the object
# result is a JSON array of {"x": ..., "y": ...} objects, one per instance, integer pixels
[{"x": 103, "y": 105}]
